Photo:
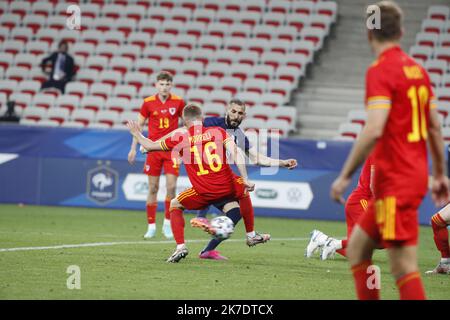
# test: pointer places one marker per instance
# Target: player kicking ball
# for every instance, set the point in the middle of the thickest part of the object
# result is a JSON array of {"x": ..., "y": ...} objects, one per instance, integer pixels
[
  {"x": 203, "y": 152},
  {"x": 439, "y": 222},
  {"x": 355, "y": 206}
]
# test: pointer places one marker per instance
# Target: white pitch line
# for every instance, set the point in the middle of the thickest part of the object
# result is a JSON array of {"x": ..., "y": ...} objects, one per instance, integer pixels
[{"x": 104, "y": 244}]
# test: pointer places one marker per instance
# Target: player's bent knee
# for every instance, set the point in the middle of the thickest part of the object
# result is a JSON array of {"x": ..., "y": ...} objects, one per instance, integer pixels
[{"x": 230, "y": 205}]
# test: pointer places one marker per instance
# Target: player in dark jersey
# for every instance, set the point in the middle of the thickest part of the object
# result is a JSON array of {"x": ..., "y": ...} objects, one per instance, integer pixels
[
  {"x": 203, "y": 152},
  {"x": 401, "y": 118}
]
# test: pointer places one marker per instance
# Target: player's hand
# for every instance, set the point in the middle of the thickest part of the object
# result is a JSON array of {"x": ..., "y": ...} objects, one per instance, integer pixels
[
  {"x": 289, "y": 164},
  {"x": 440, "y": 191},
  {"x": 132, "y": 156},
  {"x": 134, "y": 128},
  {"x": 250, "y": 186},
  {"x": 338, "y": 188}
]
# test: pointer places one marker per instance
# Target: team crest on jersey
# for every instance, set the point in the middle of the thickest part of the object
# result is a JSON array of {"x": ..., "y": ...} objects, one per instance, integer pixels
[{"x": 172, "y": 111}]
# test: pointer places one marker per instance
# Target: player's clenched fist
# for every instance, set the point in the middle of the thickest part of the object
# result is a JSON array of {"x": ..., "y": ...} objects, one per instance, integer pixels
[{"x": 249, "y": 185}]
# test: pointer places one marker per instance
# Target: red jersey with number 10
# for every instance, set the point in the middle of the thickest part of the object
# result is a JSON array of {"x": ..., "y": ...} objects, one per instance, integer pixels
[
  {"x": 397, "y": 83},
  {"x": 162, "y": 117},
  {"x": 204, "y": 156}
]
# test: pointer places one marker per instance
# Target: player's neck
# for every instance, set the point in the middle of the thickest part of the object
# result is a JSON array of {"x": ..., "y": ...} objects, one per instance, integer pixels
[
  {"x": 195, "y": 123},
  {"x": 384, "y": 46},
  {"x": 163, "y": 98}
]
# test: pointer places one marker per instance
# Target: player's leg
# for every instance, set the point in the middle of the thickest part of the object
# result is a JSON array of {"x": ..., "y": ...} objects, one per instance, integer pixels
[
  {"x": 439, "y": 222},
  {"x": 151, "y": 205},
  {"x": 177, "y": 225},
  {"x": 316, "y": 242},
  {"x": 354, "y": 208},
  {"x": 248, "y": 215},
  {"x": 232, "y": 211},
  {"x": 406, "y": 272},
  {"x": 171, "y": 185},
  {"x": 359, "y": 253}
]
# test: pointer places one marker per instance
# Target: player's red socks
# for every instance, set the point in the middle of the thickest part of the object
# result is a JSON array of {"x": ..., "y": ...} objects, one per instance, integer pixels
[
  {"x": 440, "y": 235},
  {"x": 361, "y": 276},
  {"x": 411, "y": 287},
  {"x": 151, "y": 212},
  {"x": 342, "y": 251},
  {"x": 247, "y": 213},
  {"x": 167, "y": 208},
  {"x": 177, "y": 224}
]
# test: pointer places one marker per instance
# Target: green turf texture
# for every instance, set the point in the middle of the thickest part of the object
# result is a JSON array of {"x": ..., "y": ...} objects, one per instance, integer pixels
[{"x": 275, "y": 270}]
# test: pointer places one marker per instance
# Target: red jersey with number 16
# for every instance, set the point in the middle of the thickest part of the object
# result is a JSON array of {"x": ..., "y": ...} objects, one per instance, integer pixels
[
  {"x": 204, "y": 156},
  {"x": 162, "y": 117},
  {"x": 398, "y": 83}
]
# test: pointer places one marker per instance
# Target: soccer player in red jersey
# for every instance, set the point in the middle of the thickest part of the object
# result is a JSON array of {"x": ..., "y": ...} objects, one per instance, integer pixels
[
  {"x": 439, "y": 222},
  {"x": 162, "y": 111},
  {"x": 401, "y": 118},
  {"x": 203, "y": 152},
  {"x": 355, "y": 206}
]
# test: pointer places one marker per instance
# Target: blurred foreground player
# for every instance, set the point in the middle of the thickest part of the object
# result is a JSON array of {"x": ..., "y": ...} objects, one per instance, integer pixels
[
  {"x": 163, "y": 111},
  {"x": 401, "y": 118},
  {"x": 355, "y": 206},
  {"x": 439, "y": 222},
  {"x": 235, "y": 114},
  {"x": 203, "y": 151}
]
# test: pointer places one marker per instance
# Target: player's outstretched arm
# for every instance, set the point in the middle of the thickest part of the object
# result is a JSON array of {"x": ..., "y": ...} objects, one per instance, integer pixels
[
  {"x": 265, "y": 161},
  {"x": 376, "y": 120},
  {"x": 148, "y": 144},
  {"x": 238, "y": 158},
  {"x": 132, "y": 152},
  {"x": 439, "y": 189}
]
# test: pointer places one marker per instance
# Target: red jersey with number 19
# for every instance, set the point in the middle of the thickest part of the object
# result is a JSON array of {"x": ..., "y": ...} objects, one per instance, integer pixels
[
  {"x": 204, "y": 156},
  {"x": 162, "y": 117},
  {"x": 396, "y": 82}
]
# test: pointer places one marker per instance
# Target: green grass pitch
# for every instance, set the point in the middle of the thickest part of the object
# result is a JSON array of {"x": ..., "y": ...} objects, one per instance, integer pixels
[{"x": 130, "y": 268}]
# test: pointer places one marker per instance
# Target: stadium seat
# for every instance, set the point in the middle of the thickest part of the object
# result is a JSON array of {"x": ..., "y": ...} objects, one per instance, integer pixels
[
  {"x": 235, "y": 43},
  {"x": 273, "y": 19},
  {"x": 279, "y": 45},
  {"x": 20, "y": 7},
  {"x": 58, "y": 114},
  {"x": 253, "y": 124},
  {"x": 438, "y": 12},
  {"x": 255, "y": 85},
  {"x": 225, "y": 56},
  {"x": 17, "y": 73},
  {"x": 117, "y": 104},
  {"x": 209, "y": 42},
  {"x": 435, "y": 79},
  {"x": 250, "y": 98},
  {"x": 218, "y": 70},
  {"x": 113, "y": 37},
  {"x": 349, "y": 130},
  {"x": 271, "y": 99},
  {"x": 220, "y": 96},
  {"x": 357, "y": 116},
  {"x": 10, "y": 21},
  {"x": 22, "y": 100},
  {"x": 12, "y": 46},
  {"x": 208, "y": 83},
  {"x": 279, "y": 126},
  {"x": 110, "y": 77},
  {"x": 281, "y": 87},
  {"x": 34, "y": 113},
  {"x": 125, "y": 116},
  {"x": 287, "y": 113},
  {"x": 169, "y": 65},
  {"x": 261, "y": 71},
  {"x": 247, "y": 57},
  {"x": 98, "y": 63},
  {"x": 427, "y": 39},
  {"x": 288, "y": 73},
  {"x": 70, "y": 36},
  {"x": 214, "y": 110},
  {"x": 21, "y": 34},
  {"x": 68, "y": 102},
  {"x": 305, "y": 48},
  {"x": 29, "y": 87},
  {"x": 442, "y": 53},
  {"x": 231, "y": 84},
  {"x": 43, "y": 100},
  {"x": 102, "y": 90},
  {"x": 259, "y": 112},
  {"x": 8, "y": 86},
  {"x": 140, "y": 39},
  {"x": 239, "y": 70},
  {"x": 444, "y": 39},
  {"x": 108, "y": 117},
  {"x": 315, "y": 35},
  {"x": 328, "y": 8},
  {"x": 421, "y": 52},
  {"x": 137, "y": 79},
  {"x": 445, "y": 82},
  {"x": 436, "y": 66},
  {"x": 125, "y": 91},
  {"x": 91, "y": 36},
  {"x": 73, "y": 124},
  {"x": 298, "y": 21},
  {"x": 251, "y": 18},
  {"x": 218, "y": 29},
  {"x": 433, "y": 26},
  {"x": 77, "y": 88},
  {"x": 41, "y": 8},
  {"x": 84, "y": 116},
  {"x": 197, "y": 95},
  {"x": 443, "y": 94},
  {"x": 94, "y": 103}
]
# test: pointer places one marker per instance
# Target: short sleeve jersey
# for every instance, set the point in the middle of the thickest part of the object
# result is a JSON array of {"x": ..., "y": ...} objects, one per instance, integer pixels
[
  {"x": 204, "y": 156},
  {"x": 162, "y": 117},
  {"x": 397, "y": 83}
]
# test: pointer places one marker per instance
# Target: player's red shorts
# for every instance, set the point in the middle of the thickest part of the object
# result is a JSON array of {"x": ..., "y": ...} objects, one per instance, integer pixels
[
  {"x": 157, "y": 160},
  {"x": 190, "y": 199},
  {"x": 355, "y": 206},
  {"x": 392, "y": 221}
]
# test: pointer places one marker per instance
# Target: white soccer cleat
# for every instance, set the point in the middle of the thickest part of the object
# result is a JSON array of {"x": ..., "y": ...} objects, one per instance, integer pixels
[
  {"x": 316, "y": 241},
  {"x": 167, "y": 231},
  {"x": 441, "y": 268},
  {"x": 329, "y": 249},
  {"x": 178, "y": 254},
  {"x": 150, "y": 234}
]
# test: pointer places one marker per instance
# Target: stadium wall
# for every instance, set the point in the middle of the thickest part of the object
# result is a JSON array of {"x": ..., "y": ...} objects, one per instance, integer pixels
[{"x": 89, "y": 168}]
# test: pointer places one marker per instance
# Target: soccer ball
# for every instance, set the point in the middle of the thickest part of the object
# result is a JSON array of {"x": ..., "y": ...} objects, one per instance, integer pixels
[{"x": 224, "y": 227}]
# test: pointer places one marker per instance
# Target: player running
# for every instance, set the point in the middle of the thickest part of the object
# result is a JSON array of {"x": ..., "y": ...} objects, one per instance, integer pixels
[
  {"x": 203, "y": 152},
  {"x": 235, "y": 114},
  {"x": 402, "y": 116},
  {"x": 163, "y": 111},
  {"x": 355, "y": 206},
  {"x": 439, "y": 222}
]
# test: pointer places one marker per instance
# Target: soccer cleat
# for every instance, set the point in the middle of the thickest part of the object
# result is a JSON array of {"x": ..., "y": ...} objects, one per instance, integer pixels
[
  {"x": 167, "y": 231},
  {"x": 257, "y": 239},
  {"x": 316, "y": 241},
  {"x": 203, "y": 223},
  {"x": 150, "y": 234},
  {"x": 441, "y": 268},
  {"x": 212, "y": 254},
  {"x": 329, "y": 249},
  {"x": 178, "y": 255}
]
